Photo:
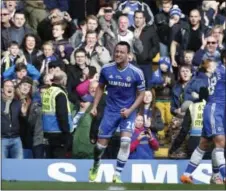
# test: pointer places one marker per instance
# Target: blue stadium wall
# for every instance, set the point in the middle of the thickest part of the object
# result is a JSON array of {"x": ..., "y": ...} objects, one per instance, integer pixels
[{"x": 136, "y": 171}]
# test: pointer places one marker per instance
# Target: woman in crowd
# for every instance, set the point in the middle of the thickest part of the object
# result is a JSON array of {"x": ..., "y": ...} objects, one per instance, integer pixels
[
  {"x": 30, "y": 122},
  {"x": 30, "y": 48},
  {"x": 147, "y": 124},
  {"x": 143, "y": 141}
]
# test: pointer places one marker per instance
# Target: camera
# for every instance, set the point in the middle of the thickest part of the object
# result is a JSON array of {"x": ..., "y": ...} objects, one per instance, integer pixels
[{"x": 107, "y": 10}]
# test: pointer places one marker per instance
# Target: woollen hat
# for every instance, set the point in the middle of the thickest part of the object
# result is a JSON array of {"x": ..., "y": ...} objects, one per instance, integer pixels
[
  {"x": 175, "y": 10},
  {"x": 165, "y": 60}
]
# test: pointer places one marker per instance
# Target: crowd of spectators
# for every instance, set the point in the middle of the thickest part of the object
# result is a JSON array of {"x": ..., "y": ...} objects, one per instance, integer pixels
[{"x": 64, "y": 43}]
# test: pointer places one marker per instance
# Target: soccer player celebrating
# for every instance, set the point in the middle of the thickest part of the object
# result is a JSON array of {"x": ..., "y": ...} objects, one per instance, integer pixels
[
  {"x": 125, "y": 87},
  {"x": 213, "y": 128}
]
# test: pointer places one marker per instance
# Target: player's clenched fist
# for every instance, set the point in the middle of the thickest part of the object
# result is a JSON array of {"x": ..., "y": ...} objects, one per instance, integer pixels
[
  {"x": 125, "y": 112},
  {"x": 94, "y": 111}
]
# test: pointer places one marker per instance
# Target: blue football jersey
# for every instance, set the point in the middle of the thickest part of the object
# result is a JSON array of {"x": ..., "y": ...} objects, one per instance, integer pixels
[
  {"x": 217, "y": 86},
  {"x": 121, "y": 85}
]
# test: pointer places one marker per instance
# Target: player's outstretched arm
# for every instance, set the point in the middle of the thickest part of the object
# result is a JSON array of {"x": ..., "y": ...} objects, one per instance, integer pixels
[{"x": 99, "y": 93}]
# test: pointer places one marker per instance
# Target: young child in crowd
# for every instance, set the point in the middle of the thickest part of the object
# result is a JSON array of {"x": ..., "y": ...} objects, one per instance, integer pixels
[
  {"x": 86, "y": 101},
  {"x": 86, "y": 91},
  {"x": 62, "y": 46},
  {"x": 188, "y": 57},
  {"x": 10, "y": 57},
  {"x": 175, "y": 15},
  {"x": 163, "y": 81},
  {"x": 19, "y": 70}
]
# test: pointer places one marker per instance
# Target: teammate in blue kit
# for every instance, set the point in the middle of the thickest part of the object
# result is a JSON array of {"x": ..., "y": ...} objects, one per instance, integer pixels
[
  {"x": 213, "y": 128},
  {"x": 125, "y": 87}
]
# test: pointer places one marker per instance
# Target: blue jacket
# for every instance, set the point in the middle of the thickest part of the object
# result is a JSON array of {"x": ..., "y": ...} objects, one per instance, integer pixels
[
  {"x": 60, "y": 4},
  {"x": 218, "y": 20},
  {"x": 31, "y": 71},
  {"x": 198, "y": 81},
  {"x": 178, "y": 96},
  {"x": 201, "y": 54}
]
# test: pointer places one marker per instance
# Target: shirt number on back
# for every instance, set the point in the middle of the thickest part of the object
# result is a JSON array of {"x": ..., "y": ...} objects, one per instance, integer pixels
[{"x": 212, "y": 84}]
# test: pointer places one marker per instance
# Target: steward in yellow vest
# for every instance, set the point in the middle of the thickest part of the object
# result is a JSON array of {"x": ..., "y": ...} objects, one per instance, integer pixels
[
  {"x": 193, "y": 123},
  {"x": 56, "y": 116},
  {"x": 52, "y": 106}
]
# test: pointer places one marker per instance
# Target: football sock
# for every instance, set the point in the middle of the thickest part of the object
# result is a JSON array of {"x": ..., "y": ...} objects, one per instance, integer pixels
[
  {"x": 195, "y": 160},
  {"x": 98, "y": 152},
  {"x": 214, "y": 164},
  {"x": 123, "y": 155},
  {"x": 220, "y": 161}
]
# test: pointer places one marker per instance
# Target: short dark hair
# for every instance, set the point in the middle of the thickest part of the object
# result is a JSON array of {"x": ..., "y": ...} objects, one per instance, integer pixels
[
  {"x": 37, "y": 40},
  {"x": 108, "y": 4},
  {"x": 196, "y": 11},
  {"x": 79, "y": 50},
  {"x": 19, "y": 12},
  {"x": 20, "y": 66},
  {"x": 92, "y": 71},
  {"x": 184, "y": 66},
  {"x": 139, "y": 11},
  {"x": 14, "y": 43},
  {"x": 91, "y": 32},
  {"x": 124, "y": 43}
]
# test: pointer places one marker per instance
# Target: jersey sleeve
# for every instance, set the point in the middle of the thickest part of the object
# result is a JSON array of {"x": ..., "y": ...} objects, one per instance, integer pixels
[
  {"x": 102, "y": 78},
  {"x": 140, "y": 81}
]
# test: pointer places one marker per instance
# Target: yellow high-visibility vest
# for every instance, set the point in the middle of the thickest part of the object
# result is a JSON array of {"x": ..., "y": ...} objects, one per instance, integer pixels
[
  {"x": 50, "y": 123},
  {"x": 196, "y": 111}
]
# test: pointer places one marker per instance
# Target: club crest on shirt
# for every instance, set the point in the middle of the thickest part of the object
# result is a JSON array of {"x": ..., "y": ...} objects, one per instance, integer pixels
[{"x": 128, "y": 79}]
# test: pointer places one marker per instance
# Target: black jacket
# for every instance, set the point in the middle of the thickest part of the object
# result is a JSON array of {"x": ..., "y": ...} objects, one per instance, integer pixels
[
  {"x": 31, "y": 130},
  {"x": 150, "y": 41},
  {"x": 10, "y": 127},
  {"x": 32, "y": 58},
  {"x": 183, "y": 35},
  {"x": 163, "y": 29},
  {"x": 45, "y": 30},
  {"x": 164, "y": 93},
  {"x": 74, "y": 73}
]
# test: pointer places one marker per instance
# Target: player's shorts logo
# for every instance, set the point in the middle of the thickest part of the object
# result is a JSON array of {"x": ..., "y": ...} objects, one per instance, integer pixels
[{"x": 219, "y": 129}]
